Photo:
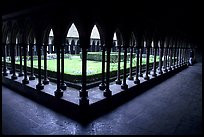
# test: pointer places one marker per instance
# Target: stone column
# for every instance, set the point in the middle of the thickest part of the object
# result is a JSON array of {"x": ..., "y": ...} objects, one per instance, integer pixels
[
  {"x": 4, "y": 56},
  {"x": 140, "y": 70},
  {"x": 63, "y": 85},
  {"x": 57, "y": 44},
  {"x": 160, "y": 58},
  {"x": 32, "y": 76},
  {"x": 130, "y": 77},
  {"x": 102, "y": 85},
  {"x": 21, "y": 72},
  {"x": 153, "y": 72},
  {"x": 124, "y": 84},
  {"x": 39, "y": 86},
  {"x": 170, "y": 62},
  {"x": 165, "y": 59},
  {"x": 84, "y": 100},
  {"x": 107, "y": 92},
  {"x": 45, "y": 81},
  {"x": 12, "y": 45},
  {"x": 118, "y": 81},
  {"x": 136, "y": 80},
  {"x": 25, "y": 49},
  {"x": 146, "y": 77}
]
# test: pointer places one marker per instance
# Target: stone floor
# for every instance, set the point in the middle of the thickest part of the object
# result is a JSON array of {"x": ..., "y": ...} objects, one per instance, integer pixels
[{"x": 172, "y": 107}]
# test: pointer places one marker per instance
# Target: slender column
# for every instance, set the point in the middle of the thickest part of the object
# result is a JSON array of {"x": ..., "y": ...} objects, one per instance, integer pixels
[
  {"x": 102, "y": 85},
  {"x": 146, "y": 77},
  {"x": 46, "y": 80},
  {"x": 124, "y": 84},
  {"x": 174, "y": 58},
  {"x": 136, "y": 80},
  {"x": 63, "y": 85},
  {"x": 4, "y": 56},
  {"x": 130, "y": 77},
  {"x": 140, "y": 70},
  {"x": 58, "y": 92},
  {"x": 21, "y": 72},
  {"x": 170, "y": 62},
  {"x": 165, "y": 59},
  {"x": 177, "y": 56},
  {"x": 25, "y": 48},
  {"x": 39, "y": 86},
  {"x": 84, "y": 101},
  {"x": 9, "y": 51},
  {"x": 107, "y": 92},
  {"x": 160, "y": 60},
  {"x": 118, "y": 81},
  {"x": 13, "y": 61},
  {"x": 153, "y": 72},
  {"x": 32, "y": 76}
]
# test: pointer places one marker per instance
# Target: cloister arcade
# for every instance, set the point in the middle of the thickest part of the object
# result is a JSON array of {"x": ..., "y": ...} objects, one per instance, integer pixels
[{"x": 29, "y": 34}]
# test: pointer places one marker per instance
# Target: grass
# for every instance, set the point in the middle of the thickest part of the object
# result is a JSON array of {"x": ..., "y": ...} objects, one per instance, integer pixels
[{"x": 73, "y": 66}]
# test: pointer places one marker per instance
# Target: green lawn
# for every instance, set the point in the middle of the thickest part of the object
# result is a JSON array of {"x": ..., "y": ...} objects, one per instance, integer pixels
[{"x": 73, "y": 66}]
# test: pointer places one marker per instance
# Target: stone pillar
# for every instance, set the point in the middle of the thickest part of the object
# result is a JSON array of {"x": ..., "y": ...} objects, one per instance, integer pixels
[
  {"x": 160, "y": 58},
  {"x": 140, "y": 70},
  {"x": 130, "y": 77},
  {"x": 102, "y": 85},
  {"x": 25, "y": 49},
  {"x": 153, "y": 72},
  {"x": 136, "y": 80},
  {"x": 118, "y": 81},
  {"x": 84, "y": 100},
  {"x": 57, "y": 44},
  {"x": 63, "y": 85},
  {"x": 46, "y": 80},
  {"x": 124, "y": 84},
  {"x": 165, "y": 60},
  {"x": 148, "y": 44},
  {"x": 39, "y": 86},
  {"x": 170, "y": 62},
  {"x": 21, "y": 72},
  {"x": 4, "y": 56},
  {"x": 32, "y": 76},
  {"x": 107, "y": 92},
  {"x": 12, "y": 45}
]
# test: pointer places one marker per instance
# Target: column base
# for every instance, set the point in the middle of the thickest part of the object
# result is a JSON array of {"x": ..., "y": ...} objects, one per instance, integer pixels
[
  {"x": 107, "y": 93},
  {"x": 140, "y": 74},
  {"x": 130, "y": 78},
  {"x": 165, "y": 70},
  {"x": 83, "y": 93},
  {"x": 102, "y": 86},
  {"x": 11, "y": 72},
  {"x": 137, "y": 81},
  {"x": 58, "y": 93},
  {"x": 118, "y": 81},
  {"x": 153, "y": 73},
  {"x": 25, "y": 81},
  {"x": 39, "y": 86},
  {"x": 169, "y": 68},
  {"x": 146, "y": 77},
  {"x": 13, "y": 77},
  {"x": 124, "y": 86},
  {"x": 5, "y": 74},
  {"x": 160, "y": 72},
  {"x": 83, "y": 102},
  {"x": 32, "y": 77},
  {"x": 20, "y": 74},
  {"x": 46, "y": 81},
  {"x": 63, "y": 86}
]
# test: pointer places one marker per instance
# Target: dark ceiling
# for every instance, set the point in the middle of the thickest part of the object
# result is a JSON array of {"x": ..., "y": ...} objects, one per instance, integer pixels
[{"x": 182, "y": 15}]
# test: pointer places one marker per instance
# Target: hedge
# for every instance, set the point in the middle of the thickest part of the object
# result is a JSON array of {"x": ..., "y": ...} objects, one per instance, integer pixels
[{"x": 97, "y": 56}]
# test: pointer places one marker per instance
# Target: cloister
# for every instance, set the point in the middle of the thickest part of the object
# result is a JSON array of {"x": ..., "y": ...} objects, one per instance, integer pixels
[{"x": 26, "y": 34}]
